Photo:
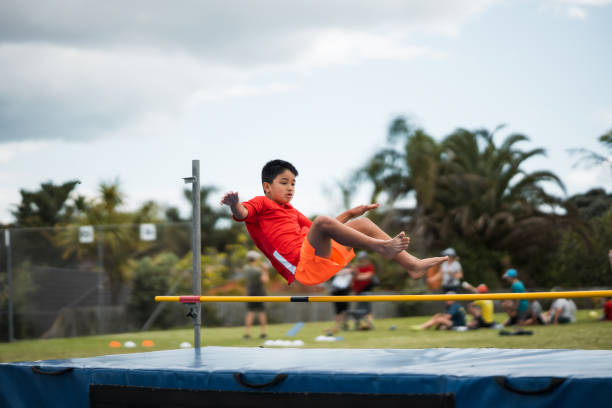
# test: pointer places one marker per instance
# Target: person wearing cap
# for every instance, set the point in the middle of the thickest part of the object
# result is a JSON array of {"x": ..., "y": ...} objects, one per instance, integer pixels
[
  {"x": 516, "y": 309},
  {"x": 256, "y": 277},
  {"x": 481, "y": 310},
  {"x": 451, "y": 271}
]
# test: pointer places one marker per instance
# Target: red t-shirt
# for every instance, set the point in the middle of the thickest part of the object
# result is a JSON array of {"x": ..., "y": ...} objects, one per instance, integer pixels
[
  {"x": 278, "y": 231},
  {"x": 360, "y": 285},
  {"x": 608, "y": 310}
]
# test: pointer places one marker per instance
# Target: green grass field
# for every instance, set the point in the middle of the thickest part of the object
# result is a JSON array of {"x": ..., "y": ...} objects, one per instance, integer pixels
[{"x": 588, "y": 333}]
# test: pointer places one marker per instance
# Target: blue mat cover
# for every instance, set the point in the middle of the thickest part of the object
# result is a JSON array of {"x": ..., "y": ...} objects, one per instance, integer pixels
[{"x": 476, "y": 377}]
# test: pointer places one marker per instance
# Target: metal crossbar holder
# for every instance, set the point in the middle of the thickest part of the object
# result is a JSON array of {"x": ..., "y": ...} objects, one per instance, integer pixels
[
  {"x": 193, "y": 310},
  {"x": 189, "y": 180}
]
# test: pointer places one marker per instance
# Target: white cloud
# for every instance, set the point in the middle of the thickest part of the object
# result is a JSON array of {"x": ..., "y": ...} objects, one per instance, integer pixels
[
  {"x": 577, "y": 13},
  {"x": 349, "y": 47},
  {"x": 574, "y": 9},
  {"x": 76, "y": 94},
  {"x": 587, "y": 2},
  {"x": 10, "y": 150},
  {"x": 89, "y": 69}
]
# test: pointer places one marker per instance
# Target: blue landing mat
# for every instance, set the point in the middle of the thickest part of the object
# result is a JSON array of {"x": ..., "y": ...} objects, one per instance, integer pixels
[{"x": 472, "y": 377}]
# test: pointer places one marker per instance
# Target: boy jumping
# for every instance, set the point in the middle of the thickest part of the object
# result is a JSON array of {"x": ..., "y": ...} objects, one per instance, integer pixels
[{"x": 311, "y": 252}]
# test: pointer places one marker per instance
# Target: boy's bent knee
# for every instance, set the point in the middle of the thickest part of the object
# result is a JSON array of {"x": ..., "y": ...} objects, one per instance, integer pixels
[{"x": 323, "y": 221}]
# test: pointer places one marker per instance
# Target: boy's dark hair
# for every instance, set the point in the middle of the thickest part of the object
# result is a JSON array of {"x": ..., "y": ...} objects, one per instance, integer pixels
[{"x": 274, "y": 168}]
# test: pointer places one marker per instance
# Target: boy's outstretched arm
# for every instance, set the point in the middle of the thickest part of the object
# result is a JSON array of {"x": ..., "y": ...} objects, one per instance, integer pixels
[
  {"x": 231, "y": 199},
  {"x": 355, "y": 212}
]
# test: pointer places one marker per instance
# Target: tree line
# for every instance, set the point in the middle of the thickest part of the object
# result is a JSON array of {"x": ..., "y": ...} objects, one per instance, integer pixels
[{"x": 470, "y": 191}]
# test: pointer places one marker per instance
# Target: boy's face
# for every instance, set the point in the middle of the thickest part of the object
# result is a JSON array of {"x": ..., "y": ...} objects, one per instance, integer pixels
[{"x": 282, "y": 188}]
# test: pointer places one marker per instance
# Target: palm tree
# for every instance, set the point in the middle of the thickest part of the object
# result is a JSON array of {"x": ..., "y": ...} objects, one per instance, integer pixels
[
  {"x": 484, "y": 191},
  {"x": 590, "y": 158},
  {"x": 408, "y": 164},
  {"x": 469, "y": 189}
]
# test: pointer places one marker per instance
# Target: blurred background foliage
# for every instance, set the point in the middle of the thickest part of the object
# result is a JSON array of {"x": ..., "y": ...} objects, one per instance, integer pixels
[{"x": 470, "y": 190}]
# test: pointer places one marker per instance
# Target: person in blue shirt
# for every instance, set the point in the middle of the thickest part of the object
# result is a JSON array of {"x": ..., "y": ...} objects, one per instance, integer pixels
[
  {"x": 453, "y": 318},
  {"x": 516, "y": 309}
]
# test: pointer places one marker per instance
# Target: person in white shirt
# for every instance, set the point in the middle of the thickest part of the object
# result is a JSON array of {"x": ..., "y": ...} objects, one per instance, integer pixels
[
  {"x": 561, "y": 311},
  {"x": 451, "y": 271}
]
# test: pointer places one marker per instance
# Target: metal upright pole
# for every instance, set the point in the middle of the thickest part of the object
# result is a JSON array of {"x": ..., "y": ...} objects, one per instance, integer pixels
[
  {"x": 9, "y": 271},
  {"x": 100, "y": 287},
  {"x": 195, "y": 309},
  {"x": 197, "y": 242}
]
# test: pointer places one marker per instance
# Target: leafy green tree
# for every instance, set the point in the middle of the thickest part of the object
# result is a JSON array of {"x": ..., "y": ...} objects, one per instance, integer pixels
[
  {"x": 593, "y": 203},
  {"x": 582, "y": 261},
  {"x": 152, "y": 276},
  {"x": 46, "y": 207}
]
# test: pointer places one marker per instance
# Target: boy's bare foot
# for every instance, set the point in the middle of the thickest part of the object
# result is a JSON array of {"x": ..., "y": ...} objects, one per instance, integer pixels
[
  {"x": 421, "y": 265},
  {"x": 389, "y": 249}
]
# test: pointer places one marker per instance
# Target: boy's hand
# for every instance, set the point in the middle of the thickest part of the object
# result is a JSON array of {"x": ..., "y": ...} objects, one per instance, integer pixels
[
  {"x": 230, "y": 198},
  {"x": 362, "y": 209}
]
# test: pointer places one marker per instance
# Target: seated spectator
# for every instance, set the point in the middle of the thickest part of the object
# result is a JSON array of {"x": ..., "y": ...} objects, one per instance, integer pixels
[
  {"x": 561, "y": 311},
  {"x": 516, "y": 309},
  {"x": 453, "y": 318},
  {"x": 534, "y": 314},
  {"x": 481, "y": 310}
]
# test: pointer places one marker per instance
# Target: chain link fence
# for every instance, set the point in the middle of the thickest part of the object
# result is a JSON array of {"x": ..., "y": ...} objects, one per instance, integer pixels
[{"x": 69, "y": 281}]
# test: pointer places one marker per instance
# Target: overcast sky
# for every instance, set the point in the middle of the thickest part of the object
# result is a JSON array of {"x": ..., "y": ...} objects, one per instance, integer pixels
[{"x": 104, "y": 90}]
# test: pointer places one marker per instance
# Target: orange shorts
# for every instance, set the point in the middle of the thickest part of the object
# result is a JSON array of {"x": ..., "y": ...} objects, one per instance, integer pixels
[{"x": 313, "y": 270}]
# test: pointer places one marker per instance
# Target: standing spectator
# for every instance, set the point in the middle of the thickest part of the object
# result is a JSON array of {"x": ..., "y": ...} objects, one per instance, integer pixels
[
  {"x": 365, "y": 274},
  {"x": 256, "y": 278},
  {"x": 561, "y": 311},
  {"x": 340, "y": 286},
  {"x": 607, "y": 312},
  {"x": 610, "y": 257},
  {"x": 364, "y": 281},
  {"x": 451, "y": 271},
  {"x": 516, "y": 309}
]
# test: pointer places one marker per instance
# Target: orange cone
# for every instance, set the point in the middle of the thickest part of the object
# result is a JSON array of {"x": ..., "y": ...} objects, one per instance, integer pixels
[
  {"x": 114, "y": 344},
  {"x": 147, "y": 343}
]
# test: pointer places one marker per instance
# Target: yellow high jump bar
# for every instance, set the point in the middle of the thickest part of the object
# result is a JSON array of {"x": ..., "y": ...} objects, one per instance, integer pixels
[{"x": 388, "y": 298}]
